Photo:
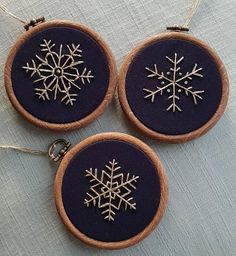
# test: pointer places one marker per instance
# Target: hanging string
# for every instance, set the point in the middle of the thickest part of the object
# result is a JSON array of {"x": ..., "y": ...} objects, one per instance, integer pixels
[
  {"x": 189, "y": 16},
  {"x": 56, "y": 150},
  {"x": 27, "y": 25},
  {"x": 184, "y": 27},
  {"x": 3, "y": 8},
  {"x": 192, "y": 11},
  {"x": 24, "y": 150}
]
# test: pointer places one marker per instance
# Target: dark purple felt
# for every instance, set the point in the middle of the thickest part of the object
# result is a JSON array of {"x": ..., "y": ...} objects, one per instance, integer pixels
[
  {"x": 89, "y": 97},
  {"x": 154, "y": 115},
  {"x": 89, "y": 219}
]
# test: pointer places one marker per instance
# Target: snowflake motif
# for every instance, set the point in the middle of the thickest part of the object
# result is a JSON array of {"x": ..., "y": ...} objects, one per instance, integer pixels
[
  {"x": 174, "y": 83},
  {"x": 58, "y": 73},
  {"x": 110, "y": 191}
]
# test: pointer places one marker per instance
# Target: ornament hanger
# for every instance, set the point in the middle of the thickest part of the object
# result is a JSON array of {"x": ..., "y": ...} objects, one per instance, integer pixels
[
  {"x": 189, "y": 16},
  {"x": 27, "y": 25},
  {"x": 56, "y": 150},
  {"x": 66, "y": 74},
  {"x": 184, "y": 27},
  {"x": 176, "y": 68},
  {"x": 111, "y": 206}
]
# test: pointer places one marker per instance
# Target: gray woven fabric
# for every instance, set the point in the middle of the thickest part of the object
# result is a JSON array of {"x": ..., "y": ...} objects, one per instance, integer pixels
[{"x": 200, "y": 218}]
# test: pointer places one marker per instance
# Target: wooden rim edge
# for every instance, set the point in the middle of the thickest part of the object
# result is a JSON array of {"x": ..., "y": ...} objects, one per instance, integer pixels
[
  {"x": 63, "y": 126},
  {"x": 160, "y": 136},
  {"x": 163, "y": 183}
]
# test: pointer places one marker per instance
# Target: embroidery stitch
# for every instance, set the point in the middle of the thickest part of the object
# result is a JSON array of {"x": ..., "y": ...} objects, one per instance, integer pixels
[
  {"x": 110, "y": 191},
  {"x": 57, "y": 73},
  {"x": 175, "y": 85}
]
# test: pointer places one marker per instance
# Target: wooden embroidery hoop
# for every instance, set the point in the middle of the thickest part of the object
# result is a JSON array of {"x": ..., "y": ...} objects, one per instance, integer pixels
[
  {"x": 63, "y": 126},
  {"x": 59, "y": 180},
  {"x": 160, "y": 136}
]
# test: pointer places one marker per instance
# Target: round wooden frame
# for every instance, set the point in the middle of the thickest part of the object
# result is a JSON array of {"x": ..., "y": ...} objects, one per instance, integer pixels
[
  {"x": 159, "y": 136},
  {"x": 160, "y": 172},
  {"x": 64, "y": 126}
]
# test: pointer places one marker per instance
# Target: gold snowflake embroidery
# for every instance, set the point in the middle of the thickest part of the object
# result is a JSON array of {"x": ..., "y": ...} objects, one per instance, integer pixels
[
  {"x": 111, "y": 190},
  {"x": 174, "y": 82},
  {"x": 56, "y": 73}
]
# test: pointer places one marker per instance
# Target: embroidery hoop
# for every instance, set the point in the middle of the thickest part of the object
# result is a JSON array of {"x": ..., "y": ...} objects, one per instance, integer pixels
[
  {"x": 64, "y": 126},
  {"x": 59, "y": 180},
  {"x": 160, "y": 136}
]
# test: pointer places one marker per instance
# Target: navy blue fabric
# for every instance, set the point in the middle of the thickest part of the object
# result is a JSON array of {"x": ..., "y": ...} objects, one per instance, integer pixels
[
  {"x": 89, "y": 97},
  {"x": 89, "y": 219},
  {"x": 154, "y": 115}
]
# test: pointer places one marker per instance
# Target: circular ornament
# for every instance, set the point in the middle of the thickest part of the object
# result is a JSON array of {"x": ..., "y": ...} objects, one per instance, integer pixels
[
  {"x": 60, "y": 75},
  {"x": 173, "y": 87},
  {"x": 111, "y": 190}
]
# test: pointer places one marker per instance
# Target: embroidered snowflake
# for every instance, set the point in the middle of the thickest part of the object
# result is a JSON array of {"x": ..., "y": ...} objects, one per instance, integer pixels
[
  {"x": 58, "y": 73},
  {"x": 110, "y": 190},
  {"x": 174, "y": 82}
]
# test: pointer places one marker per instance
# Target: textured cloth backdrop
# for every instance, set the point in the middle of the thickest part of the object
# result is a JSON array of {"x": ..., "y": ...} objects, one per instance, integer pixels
[{"x": 200, "y": 218}]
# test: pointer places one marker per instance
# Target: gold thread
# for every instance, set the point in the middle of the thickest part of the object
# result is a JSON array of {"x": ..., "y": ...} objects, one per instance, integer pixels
[
  {"x": 24, "y": 150},
  {"x": 3, "y": 8},
  {"x": 56, "y": 150},
  {"x": 188, "y": 18},
  {"x": 27, "y": 25},
  {"x": 192, "y": 11}
]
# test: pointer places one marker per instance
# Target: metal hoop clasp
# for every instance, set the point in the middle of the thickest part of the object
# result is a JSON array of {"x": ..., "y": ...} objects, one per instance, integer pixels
[
  {"x": 58, "y": 149},
  {"x": 34, "y": 22},
  {"x": 178, "y": 28}
]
